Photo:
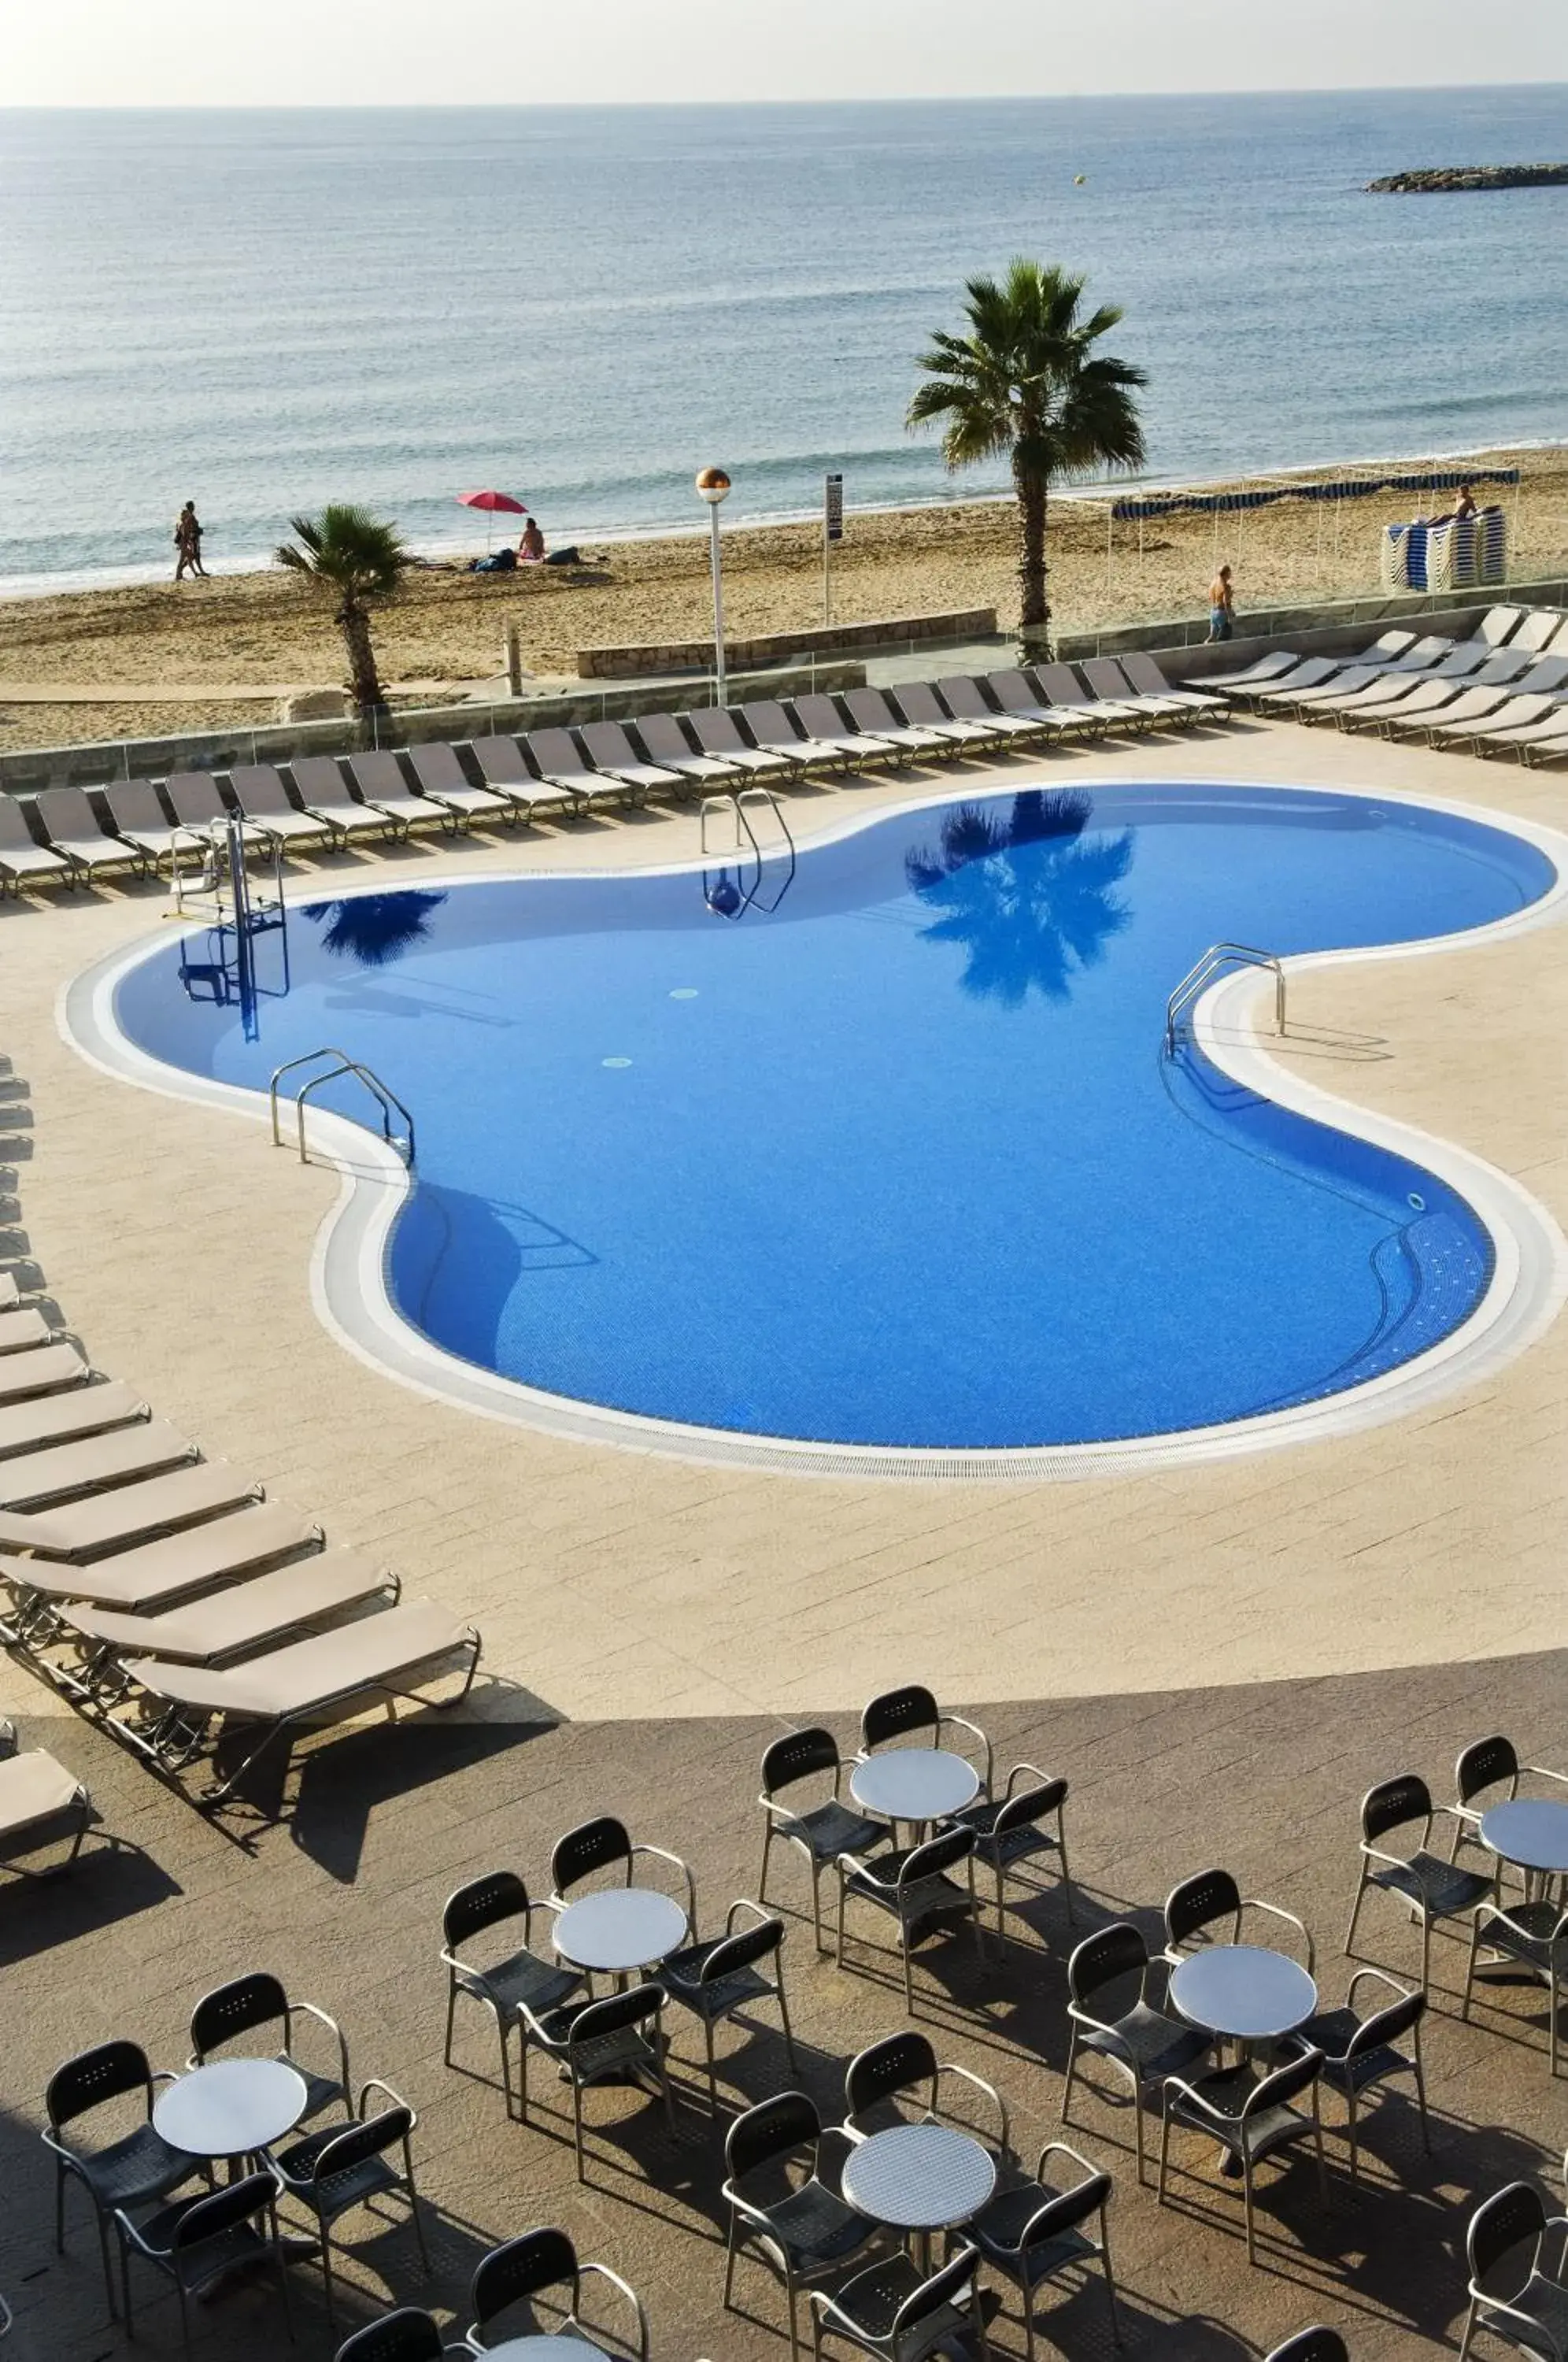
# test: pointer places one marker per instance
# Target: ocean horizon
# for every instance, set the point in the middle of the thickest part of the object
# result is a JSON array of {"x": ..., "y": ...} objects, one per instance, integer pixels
[{"x": 265, "y": 310}]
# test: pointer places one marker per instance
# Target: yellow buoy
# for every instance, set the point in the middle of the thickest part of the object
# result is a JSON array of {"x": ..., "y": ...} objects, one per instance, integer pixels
[{"x": 1078, "y": 179}]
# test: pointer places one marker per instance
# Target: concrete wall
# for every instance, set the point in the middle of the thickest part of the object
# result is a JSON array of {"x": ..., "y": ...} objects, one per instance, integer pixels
[{"x": 608, "y": 660}]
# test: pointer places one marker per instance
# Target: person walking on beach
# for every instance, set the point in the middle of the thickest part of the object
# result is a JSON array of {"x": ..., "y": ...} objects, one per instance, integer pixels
[
  {"x": 1221, "y": 607},
  {"x": 188, "y": 543}
]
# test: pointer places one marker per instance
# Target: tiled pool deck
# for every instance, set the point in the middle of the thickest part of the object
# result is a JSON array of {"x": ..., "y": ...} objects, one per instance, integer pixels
[{"x": 1199, "y": 1651}]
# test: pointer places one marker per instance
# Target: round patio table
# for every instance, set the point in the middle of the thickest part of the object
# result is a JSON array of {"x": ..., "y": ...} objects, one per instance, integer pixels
[
  {"x": 619, "y": 1929},
  {"x": 919, "y": 1785},
  {"x": 1529, "y": 1831},
  {"x": 1244, "y": 1992},
  {"x": 235, "y": 2107},
  {"x": 542, "y": 2348},
  {"x": 919, "y": 2177}
]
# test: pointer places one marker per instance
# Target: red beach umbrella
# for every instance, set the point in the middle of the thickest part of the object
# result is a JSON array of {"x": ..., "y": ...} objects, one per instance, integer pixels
[{"x": 491, "y": 503}]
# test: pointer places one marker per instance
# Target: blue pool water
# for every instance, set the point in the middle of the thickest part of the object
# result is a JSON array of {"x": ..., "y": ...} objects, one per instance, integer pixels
[{"x": 901, "y": 1161}]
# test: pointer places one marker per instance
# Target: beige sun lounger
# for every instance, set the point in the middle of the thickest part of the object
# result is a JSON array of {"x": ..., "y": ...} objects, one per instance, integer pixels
[
  {"x": 62, "y": 1419},
  {"x": 32, "y": 1480},
  {"x": 130, "y": 1513},
  {"x": 561, "y": 763},
  {"x": 138, "y": 817},
  {"x": 714, "y": 727},
  {"x": 23, "y": 1329},
  {"x": 1062, "y": 693},
  {"x": 777, "y": 734},
  {"x": 10, "y": 1293},
  {"x": 662, "y": 736},
  {"x": 323, "y": 791},
  {"x": 243, "y": 1616},
  {"x": 923, "y": 710},
  {"x": 823, "y": 723},
  {"x": 319, "y": 1680},
  {"x": 439, "y": 773},
  {"x": 41, "y": 1804},
  {"x": 614, "y": 754},
  {"x": 505, "y": 768},
  {"x": 379, "y": 777},
  {"x": 20, "y": 856},
  {"x": 159, "y": 1574},
  {"x": 72, "y": 827},
  {"x": 43, "y": 1372},
  {"x": 1518, "y": 713},
  {"x": 1106, "y": 679},
  {"x": 1144, "y": 675},
  {"x": 964, "y": 701},
  {"x": 263, "y": 799},
  {"x": 868, "y": 709}
]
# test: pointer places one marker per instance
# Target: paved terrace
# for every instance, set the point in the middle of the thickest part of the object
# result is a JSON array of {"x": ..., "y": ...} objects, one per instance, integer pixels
[{"x": 1200, "y": 1652}]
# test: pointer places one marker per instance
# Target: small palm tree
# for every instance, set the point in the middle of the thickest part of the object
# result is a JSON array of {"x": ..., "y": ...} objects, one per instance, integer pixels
[
  {"x": 353, "y": 556},
  {"x": 1025, "y": 383}
]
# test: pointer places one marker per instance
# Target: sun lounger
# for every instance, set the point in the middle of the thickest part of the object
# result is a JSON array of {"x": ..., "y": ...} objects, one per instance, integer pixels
[
  {"x": 159, "y": 1574},
  {"x": 43, "y": 1372},
  {"x": 1144, "y": 674},
  {"x": 1427, "y": 698},
  {"x": 561, "y": 763},
  {"x": 130, "y": 1513},
  {"x": 323, "y": 791},
  {"x": 1497, "y": 736},
  {"x": 505, "y": 768},
  {"x": 334, "y": 1673},
  {"x": 72, "y": 827},
  {"x": 41, "y": 1804},
  {"x": 10, "y": 1293},
  {"x": 922, "y": 708},
  {"x": 1483, "y": 708},
  {"x": 1064, "y": 694},
  {"x": 1019, "y": 701},
  {"x": 966, "y": 701},
  {"x": 33, "y": 1480},
  {"x": 62, "y": 1419},
  {"x": 1305, "y": 673},
  {"x": 776, "y": 734},
  {"x": 22, "y": 1329},
  {"x": 20, "y": 856},
  {"x": 1395, "y": 687},
  {"x": 868, "y": 709},
  {"x": 1557, "y": 646},
  {"x": 714, "y": 727},
  {"x": 611, "y": 751},
  {"x": 139, "y": 818},
  {"x": 1540, "y": 625},
  {"x": 665, "y": 743},
  {"x": 439, "y": 773},
  {"x": 1543, "y": 741},
  {"x": 1304, "y": 702},
  {"x": 1105, "y": 677},
  {"x": 263, "y": 799},
  {"x": 244, "y": 1615},
  {"x": 1470, "y": 705},
  {"x": 380, "y": 781},
  {"x": 823, "y": 726},
  {"x": 1516, "y": 713},
  {"x": 1269, "y": 668}
]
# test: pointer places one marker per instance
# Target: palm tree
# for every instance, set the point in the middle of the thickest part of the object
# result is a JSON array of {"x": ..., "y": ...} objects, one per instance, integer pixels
[
  {"x": 353, "y": 556},
  {"x": 1024, "y": 384}
]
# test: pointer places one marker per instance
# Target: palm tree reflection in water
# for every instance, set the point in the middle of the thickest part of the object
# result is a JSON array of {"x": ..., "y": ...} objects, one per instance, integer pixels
[
  {"x": 1030, "y": 898},
  {"x": 374, "y": 929}
]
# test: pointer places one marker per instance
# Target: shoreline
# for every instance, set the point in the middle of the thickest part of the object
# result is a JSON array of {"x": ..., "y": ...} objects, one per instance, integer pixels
[{"x": 229, "y": 650}]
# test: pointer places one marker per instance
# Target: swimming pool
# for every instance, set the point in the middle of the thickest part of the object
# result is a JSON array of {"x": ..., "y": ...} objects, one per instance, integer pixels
[{"x": 887, "y": 1153}]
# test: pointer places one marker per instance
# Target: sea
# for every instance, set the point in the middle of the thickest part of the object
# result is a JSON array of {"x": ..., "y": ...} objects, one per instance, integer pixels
[{"x": 266, "y": 310}]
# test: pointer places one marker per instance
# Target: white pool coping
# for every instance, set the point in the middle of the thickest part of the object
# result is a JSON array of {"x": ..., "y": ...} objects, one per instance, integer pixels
[{"x": 348, "y": 1265}]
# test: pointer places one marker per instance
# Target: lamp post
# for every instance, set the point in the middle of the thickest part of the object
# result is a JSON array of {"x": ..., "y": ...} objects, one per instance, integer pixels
[{"x": 713, "y": 486}]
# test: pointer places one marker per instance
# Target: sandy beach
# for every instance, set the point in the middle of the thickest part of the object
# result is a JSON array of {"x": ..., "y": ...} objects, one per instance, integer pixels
[{"x": 241, "y": 644}]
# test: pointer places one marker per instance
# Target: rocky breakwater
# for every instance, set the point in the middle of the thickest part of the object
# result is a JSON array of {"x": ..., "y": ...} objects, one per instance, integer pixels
[{"x": 1442, "y": 179}]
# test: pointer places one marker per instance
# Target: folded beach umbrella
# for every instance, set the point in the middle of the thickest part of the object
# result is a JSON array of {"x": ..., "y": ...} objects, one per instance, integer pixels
[{"x": 491, "y": 503}]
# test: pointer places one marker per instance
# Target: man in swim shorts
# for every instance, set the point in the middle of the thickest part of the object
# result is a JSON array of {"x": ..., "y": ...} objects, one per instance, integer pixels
[{"x": 1221, "y": 607}]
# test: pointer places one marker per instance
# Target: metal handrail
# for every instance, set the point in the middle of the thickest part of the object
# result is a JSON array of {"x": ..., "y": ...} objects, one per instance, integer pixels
[
  {"x": 1216, "y": 956},
  {"x": 385, "y": 1097}
]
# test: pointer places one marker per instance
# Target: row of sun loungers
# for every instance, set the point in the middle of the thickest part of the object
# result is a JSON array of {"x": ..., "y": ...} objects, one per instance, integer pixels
[
  {"x": 565, "y": 773},
  {"x": 164, "y": 1595},
  {"x": 1503, "y": 691}
]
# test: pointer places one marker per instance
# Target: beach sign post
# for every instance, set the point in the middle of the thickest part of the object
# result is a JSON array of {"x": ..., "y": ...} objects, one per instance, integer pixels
[
  {"x": 833, "y": 530},
  {"x": 713, "y": 486}
]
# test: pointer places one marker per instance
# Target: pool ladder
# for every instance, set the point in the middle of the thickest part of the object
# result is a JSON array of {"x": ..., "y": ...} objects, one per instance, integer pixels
[
  {"x": 385, "y": 1098},
  {"x": 1203, "y": 972},
  {"x": 729, "y": 900}
]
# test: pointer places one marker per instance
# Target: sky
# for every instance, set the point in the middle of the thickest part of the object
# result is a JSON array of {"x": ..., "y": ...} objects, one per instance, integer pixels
[{"x": 398, "y": 52}]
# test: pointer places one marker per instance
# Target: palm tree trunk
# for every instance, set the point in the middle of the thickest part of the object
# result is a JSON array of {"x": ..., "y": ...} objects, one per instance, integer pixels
[
  {"x": 363, "y": 679},
  {"x": 1033, "y": 612}
]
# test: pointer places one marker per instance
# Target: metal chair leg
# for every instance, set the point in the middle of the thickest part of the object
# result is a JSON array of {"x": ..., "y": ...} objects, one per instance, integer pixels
[
  {"x": 1165, "y": 2149},
  {"x": 766, "y": 1844},
  {"x": 1110, "y": 2280},
  {"x": 1355, "y": 1910},
  {"x": 451, "y": 2015},
  {"x": 1247, "y": 2206},
  {"x": 577, "y": 2127},
  {"x": 1072, "y": 2068}
]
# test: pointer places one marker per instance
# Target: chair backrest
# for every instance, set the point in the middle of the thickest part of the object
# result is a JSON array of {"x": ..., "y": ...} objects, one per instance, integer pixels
[
  {"x": 15, "y": 833},
  {"x": 818, "y": 715},
  {"x": 1029, "y": 1805},
  {"x": 775, "y": 2128},
  {"x": 1199, "y": 1902},
  {"x": 797, "y": 1756},
  {"x": 1545, "y": 677},
  {"x": 407, "y": 2336},
  {"x": 1105, "y": 1958},
  {"x": 614, "y": 2014},
  {"x": 715, "y": 730},
  {"x": 357, "y": 2142},
  {"x": 436, "y": 765},
  {"x": 378, "y": 774},
  {"x": 868, "y": 709},
  {"x": 593, "y": 1845},
  {"x": 942, "y": 2287},
  {"x": 1558, "y": 644},
  {"x": 662, "y": 735},
  {"x": 937, "y": 1854},
  {"x": 556, "y": 753},
  {"x": 237, "y": 2008},
  {"x": 1058, "y": 684},
  {"x": 134, "y": 804},
  {"x": 1537, "y": 628},
  {"x": 1311, "y": 2345},
  {"x": 259, "y": 787},
  {"x": 768, "y": 723},
  {"x": 482, "y": 1902},
  {"x": 1012, "y": 691},
  {"x": 607, "y": 742},
  {"x": 195, "y": 798},
  {"x": 1501, "y": 2222},
  {"x": 1062, "y": 2215},
  {"x": 919, "y": 704},
  {"x": 66, "y": 811},
  {"x": 319, "y": 780},
  {"x": 525, "y": 2266},
  {"x": 1482, "y": 1764},
  {"x": 503, "y": 762},
  {"x": 1387, "y": 2026},
  {"x": 1105, "y": 677},
  {"x": 210, "y": 2218},
  {"x": 106, "y": 2072},
  {"x": 741, "y": 1950},
  {"x": 896, "y": 2064},
  {"x": 1394, "y": 1804},
  {"x": 1499, "y": 623},
  {"x": 1285, "y": 2084},
  {"x": 961, "y": 695},
  {"x": 896, "y": 1713},
  {"x": 1145, "y": 675}
]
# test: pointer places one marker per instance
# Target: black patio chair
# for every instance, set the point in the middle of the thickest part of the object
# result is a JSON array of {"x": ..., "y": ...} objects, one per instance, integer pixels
[
  {"x": 1533, "y": 2315},
  {"x": 806, "y": 2230},
  {"x": 1251, "y": 2117},
  {"x": 195, "y": 2242},
  {"x": 407, "y": 2336},
  {"x": 1011, "y": 1830},
  {"x": 912, "y": 1888},
  {"x": 718, "y": 1978},
  {"x": 1212, "y": 1900},
  {"x": 1529, "y": 1936},
  {"x": 331, "y": 2173},
  {"x": 1034, "y": 2233},
  {"x": 537, "y": 2264},
  {"x": 889, "y": 2310},
  {"x": 606, "y": 1844},
  {"x": 618, "y": 2039},
  {"x": 1315, "y": 2345},
  {"x": 257, "y": 2003},
  {"x": 904, "y": 2065},
  {"x": 519, "y": 1989},
  {"x": 1362, "y": 2053},
  {"x": 913, "y": 1712},
  {"x": 821, "y": 1831},
  {"x": 1434, "y": 1889},
  {"x": 1488, "y": 1763},
  {"x": 137, "y": 2168},
  {"x": 1141, "y": 2042}
]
